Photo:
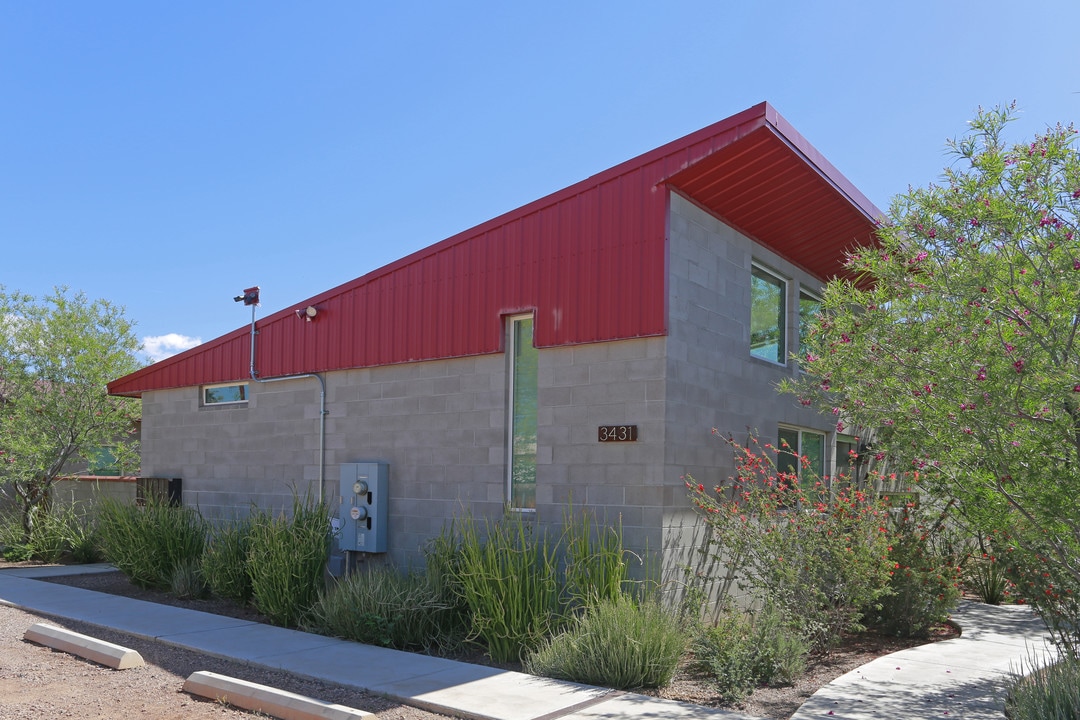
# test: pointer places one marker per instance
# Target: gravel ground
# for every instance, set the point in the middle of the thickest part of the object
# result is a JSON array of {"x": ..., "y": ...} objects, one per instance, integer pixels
[{"x": 37, "y": 682}]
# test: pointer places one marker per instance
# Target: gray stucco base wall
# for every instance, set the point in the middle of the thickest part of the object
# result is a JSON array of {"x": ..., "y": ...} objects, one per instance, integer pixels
[
  {"x": 712, "y": 380},
  {"x": 441, "y": 426}
]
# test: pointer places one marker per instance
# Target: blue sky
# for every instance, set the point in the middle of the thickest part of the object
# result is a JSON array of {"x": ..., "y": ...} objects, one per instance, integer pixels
[{"x": 167, "y": 155}]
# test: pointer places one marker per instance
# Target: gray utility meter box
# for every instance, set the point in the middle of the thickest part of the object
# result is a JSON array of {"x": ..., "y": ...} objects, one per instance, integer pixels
[{"x": 364, "y": 501}]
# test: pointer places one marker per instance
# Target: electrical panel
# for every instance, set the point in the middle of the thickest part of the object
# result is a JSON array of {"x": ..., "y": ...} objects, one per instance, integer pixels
[{"x": 364, "y": 505}]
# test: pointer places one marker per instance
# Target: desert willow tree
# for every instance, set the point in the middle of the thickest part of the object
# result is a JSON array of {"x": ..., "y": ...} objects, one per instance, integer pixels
[
  {"x": 56, "y": 355},
  {"x": 957, "y": 340}
]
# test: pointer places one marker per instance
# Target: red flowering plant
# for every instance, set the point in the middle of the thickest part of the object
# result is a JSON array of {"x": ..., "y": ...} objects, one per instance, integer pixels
[
  {"x": 815, "y": 555},
  {"x": 957, "y": 338}
]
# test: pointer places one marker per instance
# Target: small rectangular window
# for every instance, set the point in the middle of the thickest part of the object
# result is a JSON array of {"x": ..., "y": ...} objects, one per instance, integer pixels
[
  {"x": 768, "y": 312},
  {"x": 225, "y": 394}
]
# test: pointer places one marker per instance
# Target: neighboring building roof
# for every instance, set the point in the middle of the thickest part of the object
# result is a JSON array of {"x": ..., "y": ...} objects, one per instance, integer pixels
[{"x": 588, "y": 259}]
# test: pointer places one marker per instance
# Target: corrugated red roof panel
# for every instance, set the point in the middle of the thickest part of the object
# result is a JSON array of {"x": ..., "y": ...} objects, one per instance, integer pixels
[{"x": 589, "y": 260}]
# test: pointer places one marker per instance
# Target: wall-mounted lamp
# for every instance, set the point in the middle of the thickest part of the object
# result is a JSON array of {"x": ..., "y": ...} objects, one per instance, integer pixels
[{"x": 308, "y": 314}]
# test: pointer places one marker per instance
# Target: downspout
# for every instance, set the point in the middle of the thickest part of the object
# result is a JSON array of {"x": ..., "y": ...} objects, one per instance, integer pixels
[{"x": 322, "y": 402}]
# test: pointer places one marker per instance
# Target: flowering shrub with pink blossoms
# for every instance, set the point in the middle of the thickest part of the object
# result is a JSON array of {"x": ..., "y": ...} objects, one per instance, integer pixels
[{"x": 958, "y": 339}]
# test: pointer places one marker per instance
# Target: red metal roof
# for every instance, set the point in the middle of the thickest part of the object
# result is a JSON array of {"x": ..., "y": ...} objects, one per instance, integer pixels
[{"x": 589, "y": 260}]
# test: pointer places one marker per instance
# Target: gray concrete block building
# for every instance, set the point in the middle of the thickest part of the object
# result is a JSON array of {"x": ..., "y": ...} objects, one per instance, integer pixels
[{"x": 578, "y": 350}]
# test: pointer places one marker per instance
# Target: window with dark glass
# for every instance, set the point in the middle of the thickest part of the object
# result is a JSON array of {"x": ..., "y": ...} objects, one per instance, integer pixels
[
  {"x": 767, "y": 316},
  {"x": 225, "y": 394}
]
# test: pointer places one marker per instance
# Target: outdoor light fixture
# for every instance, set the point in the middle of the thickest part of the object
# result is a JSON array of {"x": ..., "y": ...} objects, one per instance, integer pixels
[
  {"x": 250, "y": 296},
  {"x": 307, "y": 313}
]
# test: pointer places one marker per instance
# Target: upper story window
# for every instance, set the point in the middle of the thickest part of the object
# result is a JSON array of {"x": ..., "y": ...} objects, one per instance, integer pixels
[
  {"x": 768, "y": 310},
  {"x": 809, "y": 307},
  {"x": 231, "y": 394}
]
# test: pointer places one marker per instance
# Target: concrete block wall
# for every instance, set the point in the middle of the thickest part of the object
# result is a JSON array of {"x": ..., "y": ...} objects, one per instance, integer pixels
[
  {"x": 232, "y": 457},
  {"x": 582, "y": 388},
  {"x": 441, "y": 426},
  {"x": 712, "y": 380},
  {"x": 87, "y": 491}
]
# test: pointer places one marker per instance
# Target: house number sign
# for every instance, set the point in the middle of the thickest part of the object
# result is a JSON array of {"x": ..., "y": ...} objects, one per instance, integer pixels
[{"x": 617, "y": 433}]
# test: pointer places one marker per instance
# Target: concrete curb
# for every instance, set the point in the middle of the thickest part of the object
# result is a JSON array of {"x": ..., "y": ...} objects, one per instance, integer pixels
[
  {"x": 260, "y": 698},
  {"x": 99, "y": 651}
]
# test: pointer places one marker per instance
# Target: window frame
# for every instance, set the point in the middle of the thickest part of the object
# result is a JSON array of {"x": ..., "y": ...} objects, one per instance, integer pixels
[
  {"x": 765, "y": 274},
  {"x": 205, "y": 402},
  {"x": 799, "y": 449}
]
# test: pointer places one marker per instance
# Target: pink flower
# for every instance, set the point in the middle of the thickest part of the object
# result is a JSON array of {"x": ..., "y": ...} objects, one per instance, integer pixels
[
  {"x": 1019, "y": 365},
  {"x": 982, "y": 374}
]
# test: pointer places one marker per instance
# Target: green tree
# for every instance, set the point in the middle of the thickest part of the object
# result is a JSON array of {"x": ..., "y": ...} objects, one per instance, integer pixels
[
  {"x": 56, "y": 356},
  {"x": 957, "y": 340}
]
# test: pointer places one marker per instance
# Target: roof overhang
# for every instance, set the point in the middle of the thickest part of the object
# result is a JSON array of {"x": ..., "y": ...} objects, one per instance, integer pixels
[{"x": 774, "y": 187}]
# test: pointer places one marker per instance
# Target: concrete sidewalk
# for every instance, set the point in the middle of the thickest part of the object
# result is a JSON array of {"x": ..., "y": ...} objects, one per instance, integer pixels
[
  {"x": 959, "y": 678},
  {"x": 964, "y": 677},
  {"x": 444, "y": 686}
]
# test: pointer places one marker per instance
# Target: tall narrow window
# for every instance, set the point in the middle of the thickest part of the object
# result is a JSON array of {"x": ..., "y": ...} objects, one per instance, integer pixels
[
  {"x": 809, "y": 307},
  {"x": 522, "y": 414},
  {"x": 767, "y": 316}
]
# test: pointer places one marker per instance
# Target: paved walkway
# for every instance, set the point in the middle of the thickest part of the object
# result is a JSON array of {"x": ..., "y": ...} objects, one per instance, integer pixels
[
  {"x": 964, "y": 677},
  {"x": 959, "y": 678}
]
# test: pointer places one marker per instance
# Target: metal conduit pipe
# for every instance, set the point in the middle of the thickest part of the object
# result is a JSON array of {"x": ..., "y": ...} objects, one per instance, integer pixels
[{"x": 322, "y": 403}]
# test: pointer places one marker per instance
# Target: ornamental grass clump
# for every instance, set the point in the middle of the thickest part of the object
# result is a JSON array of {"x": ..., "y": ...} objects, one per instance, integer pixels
[
  {"x": 382, "y": 606},
  {"x": 148, "y": 543},
  {"x": 225, "y": 561},
  {"x": 596, "y": 567},
  {"x": 1041, "y": 692},
  {"x": 287, "y": 556},
  {"x": 619, "y": 643},
  {"x": 508, "y": 579}
]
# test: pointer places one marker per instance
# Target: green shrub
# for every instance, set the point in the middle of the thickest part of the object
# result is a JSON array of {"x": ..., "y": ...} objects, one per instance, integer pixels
[
  {"x": 743, "y": 651},
  {"x": 286, "y": 560},
  {"x": 617, "y": 643},
  {"x": 225, "y": 561},
  {"x": 508, "y": 580},
  {"x": 148, "y": 543},
  {"x": 1046, "y": 693},
  {"x": 924, "y": 586},
  {"x": 381, "y": 606}
]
